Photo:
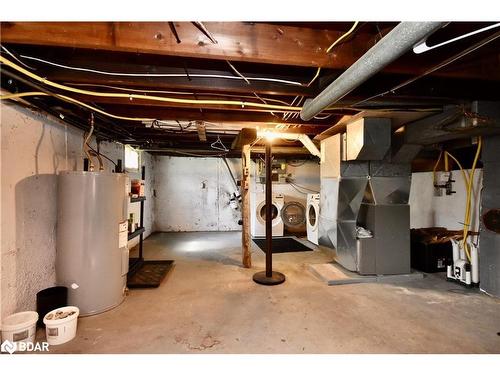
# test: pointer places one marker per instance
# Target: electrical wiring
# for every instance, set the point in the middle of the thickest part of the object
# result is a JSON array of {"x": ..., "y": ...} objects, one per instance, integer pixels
[
  {"x": 15, "y": 58},
  {"x": 323, "y": 117},
  {"x": 242, "y": 104},
  {"x": 298, "y": 190},
  {"x": 101, "y": 154},
  {"x": 74, "y": 101},
  {"x": 435, "y": 167},
  {"x": 128, "y": 89},
  {"x": 238, "y": 73},
  {"x": 434, "y": 68},
  {"x": 464, "y": 174},
  {"x": 303, "y": 187},
  {"x": 423, "y": 47},
  {"x": 175, "y": 92},
  {"x": 468, "y": 202},
  {"x": 255, "y": 142},
  {"x": 299, "y": 187},
  {"x": 342, "y": 37},
  {"x": 193, "y": 154},
  {"x": 265, "y": 102},
  {"x": 287, "y": 114},
  {"x": 164, "y": 75},
  {"x": 86, "y": 137},
  {"x": 469, "y": 185}
]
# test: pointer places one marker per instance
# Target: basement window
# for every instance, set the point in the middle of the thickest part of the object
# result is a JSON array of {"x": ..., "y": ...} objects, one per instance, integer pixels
[{"x": 131, "y": 159}]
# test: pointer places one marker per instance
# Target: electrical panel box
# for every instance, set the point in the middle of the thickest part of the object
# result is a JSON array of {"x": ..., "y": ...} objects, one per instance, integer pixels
[{"x": 278, "y": 172}]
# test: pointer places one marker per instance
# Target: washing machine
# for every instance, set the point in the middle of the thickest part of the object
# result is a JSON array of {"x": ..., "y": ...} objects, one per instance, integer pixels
[
  {"x": 312, "y": 217},
  {"x": 258, "y": 215}
]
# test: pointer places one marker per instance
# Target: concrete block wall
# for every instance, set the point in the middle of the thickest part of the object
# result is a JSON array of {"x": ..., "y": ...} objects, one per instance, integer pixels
[
  {"x": 34, "y": 148},
  {"x": 192, "y": 194}
]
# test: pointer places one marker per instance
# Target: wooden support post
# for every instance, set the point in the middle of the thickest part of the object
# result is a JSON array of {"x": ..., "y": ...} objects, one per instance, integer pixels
[{"x": 245, "y": 207}]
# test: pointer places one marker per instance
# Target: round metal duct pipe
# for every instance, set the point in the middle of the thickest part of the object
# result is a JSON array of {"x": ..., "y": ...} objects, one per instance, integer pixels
[{"x": 397, "y": 42}]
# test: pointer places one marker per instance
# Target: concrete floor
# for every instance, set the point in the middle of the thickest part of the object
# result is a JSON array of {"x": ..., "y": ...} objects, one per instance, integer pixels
[{"x": 209, "y": 304}]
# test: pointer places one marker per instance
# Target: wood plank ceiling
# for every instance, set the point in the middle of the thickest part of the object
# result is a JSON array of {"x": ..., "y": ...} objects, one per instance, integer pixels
[{"x": 265, "y": 63}]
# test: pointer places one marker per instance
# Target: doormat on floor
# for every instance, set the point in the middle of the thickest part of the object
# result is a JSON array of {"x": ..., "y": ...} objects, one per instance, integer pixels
[
  {"x": 282, "y": 245},
  {"x": 149, "y": 274}
]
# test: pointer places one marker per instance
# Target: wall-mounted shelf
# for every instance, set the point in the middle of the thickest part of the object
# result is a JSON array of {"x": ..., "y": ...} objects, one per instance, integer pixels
[
  {"x": 136, "y": 233},
  {"x": 138, "y": 199},
  {"x": 136, "y": 263}
]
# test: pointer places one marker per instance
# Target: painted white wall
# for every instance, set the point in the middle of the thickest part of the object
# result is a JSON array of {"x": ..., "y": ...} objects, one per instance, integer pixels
[
  {"x": 192, "y": 194},
  {"x": 305, "y": 175},
  {"x": 427, "y": 210},
  {"x": 34, "y": 148}
]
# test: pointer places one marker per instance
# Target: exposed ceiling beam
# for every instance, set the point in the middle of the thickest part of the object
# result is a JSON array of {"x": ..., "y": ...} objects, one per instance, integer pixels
[
  {"x": 194, "y": 107},
  {"x": 236, "y": 41},
  {"x": 183, "y": 114},
  {"x": 192, "y": 84}
]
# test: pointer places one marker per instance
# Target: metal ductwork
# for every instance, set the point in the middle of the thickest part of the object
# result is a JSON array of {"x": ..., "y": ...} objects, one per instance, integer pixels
[{"x": 396, "y": 43}]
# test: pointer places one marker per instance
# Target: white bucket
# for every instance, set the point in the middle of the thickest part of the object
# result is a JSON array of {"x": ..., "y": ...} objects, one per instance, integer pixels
[
  {"x": 60, "y": 331},
  {"x": 20, "y": 327}
]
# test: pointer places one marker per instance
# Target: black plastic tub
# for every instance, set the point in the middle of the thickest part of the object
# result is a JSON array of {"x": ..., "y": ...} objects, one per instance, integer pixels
[{"x": 50, "y": 299}]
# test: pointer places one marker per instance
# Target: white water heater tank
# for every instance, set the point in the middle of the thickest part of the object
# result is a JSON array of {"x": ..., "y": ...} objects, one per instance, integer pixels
[{"x": 91, "y": 251}]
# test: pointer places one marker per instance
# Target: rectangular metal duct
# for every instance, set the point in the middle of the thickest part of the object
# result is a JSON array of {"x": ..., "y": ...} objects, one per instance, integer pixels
[{"x": 368, "y": 139}]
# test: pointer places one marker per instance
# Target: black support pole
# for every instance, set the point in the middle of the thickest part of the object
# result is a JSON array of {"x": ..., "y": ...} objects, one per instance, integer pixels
[
  {"x": 269, "y": 213},
  {"x": 141, "y": 238},
  {"x": 269, "y": 277}
]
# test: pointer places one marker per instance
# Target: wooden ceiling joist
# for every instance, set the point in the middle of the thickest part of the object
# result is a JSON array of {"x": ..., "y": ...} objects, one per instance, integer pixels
[
  {"x": 190, "y": 84},
  {"x": 236, "y": 41},
  {"x": 184, "y": 114},
  {"x": 249, "y": 42}
]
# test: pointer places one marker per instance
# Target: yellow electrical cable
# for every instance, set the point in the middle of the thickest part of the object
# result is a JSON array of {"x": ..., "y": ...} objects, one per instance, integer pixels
[
  {"x": 171, "y": 92},
  {"x": 468, "y": 202},
  {"x": 342, "y": 37},
  {"x": 74, "y": 101},
  {"x": 435, "y": 167},
  {"x": 71, "y": 100},
  {"x": 23, "y": 94},
  {"x": 27, "y": 73},
  {"x": 464, "y": 175}
]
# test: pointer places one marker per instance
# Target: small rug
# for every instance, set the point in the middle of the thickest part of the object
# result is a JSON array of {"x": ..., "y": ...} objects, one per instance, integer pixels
[
  {"x": 282, "y": 245},
  {"x": 149, "y": 274}
]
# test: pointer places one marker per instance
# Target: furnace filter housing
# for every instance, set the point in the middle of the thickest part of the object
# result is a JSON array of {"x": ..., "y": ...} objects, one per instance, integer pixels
[{"x": 92, "y": 255}]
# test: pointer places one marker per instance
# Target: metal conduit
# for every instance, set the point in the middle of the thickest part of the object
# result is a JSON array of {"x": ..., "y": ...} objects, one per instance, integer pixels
[{"x": 397, "y": 42}]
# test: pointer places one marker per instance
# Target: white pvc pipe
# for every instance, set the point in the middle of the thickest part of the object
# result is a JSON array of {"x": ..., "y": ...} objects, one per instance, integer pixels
[
  {"x": 456, "y": 252},
  {"x": 474, "y": 262}
]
